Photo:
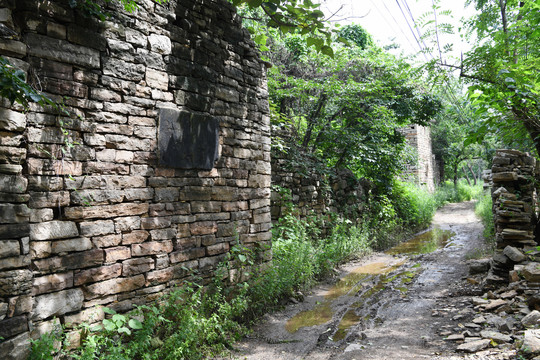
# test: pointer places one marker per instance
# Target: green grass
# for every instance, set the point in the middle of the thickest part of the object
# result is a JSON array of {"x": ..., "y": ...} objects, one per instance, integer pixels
[
  {"x": 484, "y": 210},
  {"x": 448, "y": 193}
]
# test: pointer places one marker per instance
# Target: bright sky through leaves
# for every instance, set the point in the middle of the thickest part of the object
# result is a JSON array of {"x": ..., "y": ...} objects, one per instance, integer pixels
[{"x": 391, "y": 21}]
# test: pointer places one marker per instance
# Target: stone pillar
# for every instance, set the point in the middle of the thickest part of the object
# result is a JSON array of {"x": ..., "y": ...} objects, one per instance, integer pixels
[{"x": 513, "y": 193}]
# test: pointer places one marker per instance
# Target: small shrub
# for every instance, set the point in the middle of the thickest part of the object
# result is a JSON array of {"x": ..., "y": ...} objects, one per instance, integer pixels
[{"x": 416, "y": 205}]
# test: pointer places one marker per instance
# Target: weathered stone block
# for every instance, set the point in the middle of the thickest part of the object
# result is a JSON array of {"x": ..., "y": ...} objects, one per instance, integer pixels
[
  {"x": 185, "y": 255},
  {"x": 71, "y": 245},
  {"x": 159, "y": 276},
  {"x": 160, "y": 44},
  {"x": 135, "y": 237},
  {"x": 163, "y": 234},
  {"x": 117, "y": 253},
  {"x": 14, "y": 262},
  {"x": 186, "y": 140},
  {"x": 57, "y": 303},
  {"x": 78, "y": 260},
  {"x": 65, "y": 87},
  {"x": 48, "y": 199},
  {"x": 12, "y": 48},
  {"x": 89, "y": 316},
  {"x": 209, "y": 263},
  {"x": 152, "y": 248},
  {"x": 531, "y": 272},
  {"x": 106, "y": 211},
  {"x": 96, "y": 228},
  {"x": 20, "y": 305},
  {"x": 3, "y": 310},
  {"x": 203, "y": 228},
  {"x": 9, "y": 248},
  {"x": 41, "y": 215},
  {"x": 53, "y": 230},
  {"x": 14, "y": 155},
  {"x": 54, "y": 167},
  {"x": 124, "y": 70},
  {"x": 217, "y": 249},
  {"x": 13, "y": 184},
  {"x": 127, "y": 223},
  {"x": 514, "y": 254},
  {"x": 97, "y": 274},
  {"x": 62, "y": 51},
  {"x": 107, "y": 241},
  {"x": 53, "y": 282},
  {"x": 157, "y": 79},
  {"x": 45, "y": 183},
  {"x": 504, "y": 176},
  {"x": 16, "y": 348},
  {"x": 15, "y": 282},
  {"x": 137, "y": 266},
  {"x": 114, "y": 286},
  {"x": 13, "y": 326},
  {"x": 155, "y": 222},
  {"x": 206, "y": 206},
  {"x": 40, "y": 249}
]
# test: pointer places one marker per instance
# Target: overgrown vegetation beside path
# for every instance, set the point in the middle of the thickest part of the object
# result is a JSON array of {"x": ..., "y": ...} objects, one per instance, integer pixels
[{"x": 192, "y": 322}]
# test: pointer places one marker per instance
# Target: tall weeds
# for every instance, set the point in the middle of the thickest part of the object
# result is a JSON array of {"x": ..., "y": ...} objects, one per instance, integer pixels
[{"x": 484, "y": 210}]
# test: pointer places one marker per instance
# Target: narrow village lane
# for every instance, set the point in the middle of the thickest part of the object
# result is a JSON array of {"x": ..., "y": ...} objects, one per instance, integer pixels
[{"x": 392, "y": 305}]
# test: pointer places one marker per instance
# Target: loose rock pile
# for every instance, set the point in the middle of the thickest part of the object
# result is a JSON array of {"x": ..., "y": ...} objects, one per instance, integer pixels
[{"x": 503, "y": 322}]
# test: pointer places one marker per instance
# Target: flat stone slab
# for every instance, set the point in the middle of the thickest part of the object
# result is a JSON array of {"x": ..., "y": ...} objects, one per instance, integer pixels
[
  {"x": 495, "y": 336},
  {"x": 531, "y": 342},
  {"x": 531, "y": 272},
  {"x": 474, "y": 346}
]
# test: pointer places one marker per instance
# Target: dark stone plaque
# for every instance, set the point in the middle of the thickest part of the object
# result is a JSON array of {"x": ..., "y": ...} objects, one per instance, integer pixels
[{"x": 187, "y": 140}]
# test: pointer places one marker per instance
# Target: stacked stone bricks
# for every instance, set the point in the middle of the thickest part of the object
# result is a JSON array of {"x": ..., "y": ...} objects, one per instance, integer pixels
[
  {"x": 89, "y": 214},
  {"x": 312, "y": 192},
  {"x": 513, "y": 174},
  {"x": 426, "y": 171}
]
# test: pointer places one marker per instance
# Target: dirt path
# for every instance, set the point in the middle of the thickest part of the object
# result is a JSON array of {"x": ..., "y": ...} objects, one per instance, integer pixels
[{"x": 383, "y": 307}]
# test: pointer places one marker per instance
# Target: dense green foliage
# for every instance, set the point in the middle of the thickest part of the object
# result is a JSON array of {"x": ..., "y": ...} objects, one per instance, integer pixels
[
  {"x": 502, "y": 67},
  {"x": 500, "y": 71},
  {"x": 347, "y": 110}
]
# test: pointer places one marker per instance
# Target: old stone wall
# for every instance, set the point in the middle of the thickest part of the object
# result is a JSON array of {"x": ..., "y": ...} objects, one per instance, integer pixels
[
  {"x": 161, "y": 165},
  {"x": 425, "y": 172},
  {"x": 313, "y": 188}
]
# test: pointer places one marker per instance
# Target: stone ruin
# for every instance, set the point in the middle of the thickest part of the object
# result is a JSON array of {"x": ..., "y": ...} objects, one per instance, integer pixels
[
  {"x": 169, "y": 168},
  {"x": 312, "y": 190},
  {"x": 513, "y": 191},
  {"x": 426, "y": 171}
]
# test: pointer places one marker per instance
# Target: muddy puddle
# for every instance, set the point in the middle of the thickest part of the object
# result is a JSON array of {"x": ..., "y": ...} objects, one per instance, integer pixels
[
  {"x": 363, "y": 287},
  {"x": 424, "y": 243}
]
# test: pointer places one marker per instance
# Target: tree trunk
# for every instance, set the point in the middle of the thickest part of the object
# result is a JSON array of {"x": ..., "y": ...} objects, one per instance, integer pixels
[
  {"x": 313, "y": 119},
  {"x": 475, "y": 179},
  {"x": 455, "y": 174},
  {"x": 467, "y": 178}
]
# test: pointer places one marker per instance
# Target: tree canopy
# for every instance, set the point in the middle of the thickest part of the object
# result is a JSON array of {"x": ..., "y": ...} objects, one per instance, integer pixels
[{"x": 501, "y": 70}]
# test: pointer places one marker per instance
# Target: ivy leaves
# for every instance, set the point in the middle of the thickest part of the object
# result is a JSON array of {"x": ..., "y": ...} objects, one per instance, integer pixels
[
  {"x": 294, "y": 16},
  {"x": 120, "y": 324},
  {"x": 13, "y": 86}
]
